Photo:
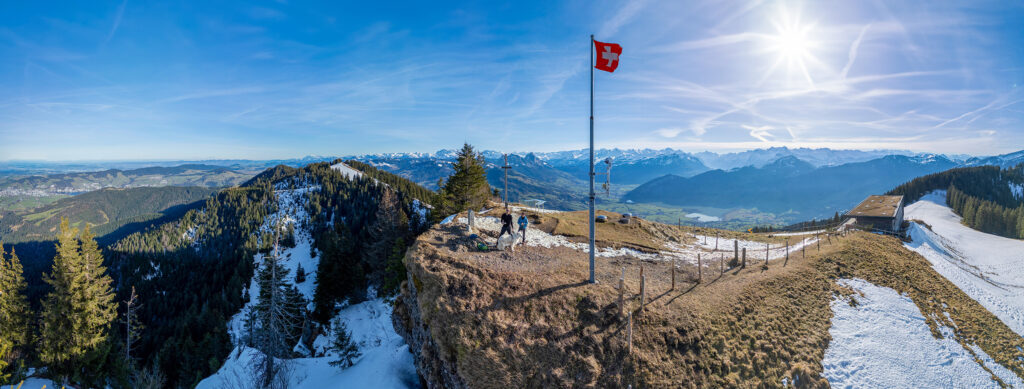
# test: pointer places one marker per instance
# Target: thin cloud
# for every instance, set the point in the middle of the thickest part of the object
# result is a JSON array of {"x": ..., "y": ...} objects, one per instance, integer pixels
[
  {"x": 117, "y": 22},
  {"x": 213, "y": 93},
  {"x": 621, "y": 17},
  {"x": 762, "y": 133},
  {"x": 669, "y": 132},
  {"x": 852, "y": 56}
]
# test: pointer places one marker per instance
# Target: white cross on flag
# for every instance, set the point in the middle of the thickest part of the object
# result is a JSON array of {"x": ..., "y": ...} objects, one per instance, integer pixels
[{"x": 607, "y": 56}]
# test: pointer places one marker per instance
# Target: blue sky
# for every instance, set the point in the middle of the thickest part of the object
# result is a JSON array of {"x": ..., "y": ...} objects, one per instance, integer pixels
[{"x": 219, "y": 79}]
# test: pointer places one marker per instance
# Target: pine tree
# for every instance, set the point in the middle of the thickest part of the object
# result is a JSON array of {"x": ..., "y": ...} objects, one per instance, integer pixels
[
  {"x": 467, "y": 187},
  {"x": 396, "y": 271},
  {"x": 6, "y": 348},
  {"x": 279, "y": 316},
  {"x": 78, "y": 312},
  {"x": 343, "y": 345},
  {"x": 339, "y": 272},
  {"x": 14, "y": 312},
  {"x": 300, "y": 274},
  {"x": 391, "y": 224}
]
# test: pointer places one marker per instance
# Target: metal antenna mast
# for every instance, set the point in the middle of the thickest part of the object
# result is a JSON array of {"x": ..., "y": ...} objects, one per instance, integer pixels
[{"x": 505, "y": 168}]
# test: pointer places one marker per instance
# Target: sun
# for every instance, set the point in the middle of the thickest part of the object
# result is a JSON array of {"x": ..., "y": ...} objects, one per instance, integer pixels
[{"x": 793, "y": 46}]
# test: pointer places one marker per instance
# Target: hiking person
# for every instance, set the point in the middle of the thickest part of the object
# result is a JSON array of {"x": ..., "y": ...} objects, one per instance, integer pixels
[
  {"x": 506, "y": 223},
  {"x": 523, "y": 223}
]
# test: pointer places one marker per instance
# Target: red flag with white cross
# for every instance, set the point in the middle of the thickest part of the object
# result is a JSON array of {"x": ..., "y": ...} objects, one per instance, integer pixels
[{"x": 607, "y": 56}]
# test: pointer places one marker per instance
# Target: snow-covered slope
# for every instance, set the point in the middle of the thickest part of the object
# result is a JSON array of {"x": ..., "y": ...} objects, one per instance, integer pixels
[
  {"x": 883, "y": 341},
  {"x": 385, "y": 361},
  {"x": 35, "y": 383},
  {"x": 347, "y": 171},
  {"x": 988, "y": 268}
]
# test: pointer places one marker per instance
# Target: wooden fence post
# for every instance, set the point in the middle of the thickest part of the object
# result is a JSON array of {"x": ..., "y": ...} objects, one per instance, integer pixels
[
  {"x": 622, "y": 291},
  {"x": 643, "y": 292},
  {"x": 736, "y": 250},
  {"x": 744, "y": 266},
  {"x": 700, "y": 270},
  {"x": 819, "y": 243},
  {"x": 673, "y": 274},
  {"x": 787, "y": 253},
  {"x": 766, "y": 249},
  {"x": 629, "y": 333},
  {"x": 721, "y": 262}
]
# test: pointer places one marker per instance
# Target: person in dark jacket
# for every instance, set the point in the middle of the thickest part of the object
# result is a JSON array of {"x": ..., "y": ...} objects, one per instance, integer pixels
[
  {"x": 523, "y": 223},
  {"x": 506, "y": 223}
]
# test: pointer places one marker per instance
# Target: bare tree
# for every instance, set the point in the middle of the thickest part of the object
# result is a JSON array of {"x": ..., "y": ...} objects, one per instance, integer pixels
[
  {"x": 132, "y": 327},
  {"x": 278, "y": 315}
]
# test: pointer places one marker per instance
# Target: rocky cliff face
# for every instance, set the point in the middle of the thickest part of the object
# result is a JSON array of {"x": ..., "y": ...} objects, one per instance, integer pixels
[{"x": 435, "y": 371}]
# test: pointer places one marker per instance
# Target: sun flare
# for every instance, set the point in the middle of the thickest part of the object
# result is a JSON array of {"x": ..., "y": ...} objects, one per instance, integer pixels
[{"x": 792, "y": 45}]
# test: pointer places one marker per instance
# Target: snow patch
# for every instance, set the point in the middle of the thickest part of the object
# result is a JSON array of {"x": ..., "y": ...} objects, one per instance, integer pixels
[
  {"x": 36, "y": 383},
  {"x": 515, "y": 208},
  {"x": 884, "y": 342},
  {"x": 755, "y": 250},
  {"x": 815, "y": 232},
  {"x": 985, "y": 267},
  {"x": 385, "y": 362},
  {"x": 1017, "y": 189},
  {"x": 671, "y": 251},
  {"x": 702, "y": 217},
  {"x": 421, "y": 210},
  {"x": 347, "y": 171},
  {"x": 448, "y": 219}
]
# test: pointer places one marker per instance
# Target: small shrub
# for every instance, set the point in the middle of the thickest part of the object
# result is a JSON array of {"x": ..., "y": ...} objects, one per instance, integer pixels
[{"x": 343, "y": 345}]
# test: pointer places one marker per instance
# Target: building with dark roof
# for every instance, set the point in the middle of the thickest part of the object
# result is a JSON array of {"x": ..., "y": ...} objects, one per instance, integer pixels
[{"x": 879, "y": 213}]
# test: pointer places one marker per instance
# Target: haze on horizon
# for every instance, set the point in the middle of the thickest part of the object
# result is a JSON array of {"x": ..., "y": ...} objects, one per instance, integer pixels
[{"x": 219, "y": 80}]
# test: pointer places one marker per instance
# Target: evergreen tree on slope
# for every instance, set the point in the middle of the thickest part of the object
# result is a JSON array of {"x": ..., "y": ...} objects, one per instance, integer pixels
[
  {"x": 279, "y": 315},
  {"x": 78, "y": 312},
  {"x": 389, "y": 228},
  {"x": 14, "y": 313},
  {"x": 467, "y": 187}
]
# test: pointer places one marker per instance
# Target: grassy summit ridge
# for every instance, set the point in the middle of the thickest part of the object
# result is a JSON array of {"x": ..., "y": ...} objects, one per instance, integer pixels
[{"x": 527, "y": 320}]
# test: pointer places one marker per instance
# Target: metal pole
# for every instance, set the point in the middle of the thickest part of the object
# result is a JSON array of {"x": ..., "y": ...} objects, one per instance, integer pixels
[
  {"x": 591, "y": 52},
  {"x": 505, "y": 168}
]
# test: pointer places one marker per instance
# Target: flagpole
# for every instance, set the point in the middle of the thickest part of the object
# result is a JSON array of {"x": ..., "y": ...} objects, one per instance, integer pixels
[{"x": 592, "y": 280}]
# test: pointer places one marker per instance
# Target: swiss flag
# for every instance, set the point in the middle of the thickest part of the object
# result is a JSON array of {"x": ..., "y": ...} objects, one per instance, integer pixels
[{"x": 607, "y": 56}]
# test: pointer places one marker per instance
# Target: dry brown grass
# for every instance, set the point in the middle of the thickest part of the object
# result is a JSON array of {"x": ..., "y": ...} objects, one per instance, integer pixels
[
  {"x": 639, "y": 234},
  {"x": 529, "y": 320}
]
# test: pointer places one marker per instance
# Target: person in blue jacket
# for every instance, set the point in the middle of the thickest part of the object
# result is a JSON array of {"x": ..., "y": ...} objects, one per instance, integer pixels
[{"x": 523, "y": 223}]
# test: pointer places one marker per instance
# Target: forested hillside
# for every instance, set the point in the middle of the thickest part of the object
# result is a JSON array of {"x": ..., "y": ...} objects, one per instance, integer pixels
[
  {"x": 183, "y": 175},
  {"x": 106, "y": 210},
  {"x": 190, "y": 273},
  {"x": 989, "y": 198},
  {"x": 111, "y": 213}
]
